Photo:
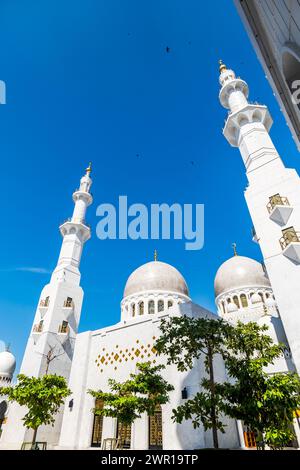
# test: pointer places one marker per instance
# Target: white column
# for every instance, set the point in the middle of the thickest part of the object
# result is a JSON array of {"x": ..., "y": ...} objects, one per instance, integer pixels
[{"x": 241, "y": 433}]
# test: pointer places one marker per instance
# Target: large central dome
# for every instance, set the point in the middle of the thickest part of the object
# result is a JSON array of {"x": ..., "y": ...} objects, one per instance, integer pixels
[{"x": 156, "y": 276}]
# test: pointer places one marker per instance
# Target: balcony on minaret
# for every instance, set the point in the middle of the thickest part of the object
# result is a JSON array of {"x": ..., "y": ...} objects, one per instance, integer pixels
[
  {"x": 290, "y": 244},
  {"x": 63, "y": 331},
  {"x": 279, "y": 209},
  {"x": 68, "y": 306},
  {"x": 43, "y": 305},
  {"x": 37, "y": 330}
]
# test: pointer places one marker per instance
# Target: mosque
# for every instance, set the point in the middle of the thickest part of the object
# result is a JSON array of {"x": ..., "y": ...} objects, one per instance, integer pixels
[{"x": 245, "y": 290}]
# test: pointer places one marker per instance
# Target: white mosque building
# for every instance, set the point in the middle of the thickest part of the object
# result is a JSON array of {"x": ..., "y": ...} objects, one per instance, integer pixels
[{"x": 243, "y": 291}]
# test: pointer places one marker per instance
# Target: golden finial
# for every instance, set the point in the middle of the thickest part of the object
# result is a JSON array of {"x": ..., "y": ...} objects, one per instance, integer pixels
[
  {"x": 234, "y": 249},
  {"x": 89, "y": 168},
  {"x": 155, "y": 255},
  {"x": 222, "y": 66}
]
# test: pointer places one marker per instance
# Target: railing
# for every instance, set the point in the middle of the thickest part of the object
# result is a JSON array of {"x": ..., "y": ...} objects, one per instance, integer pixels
[
  {"x": 44, "y": 302},
  {"x": 69, "y": 219},
  {"x": 277, "y": 200},
  {"x": 38, "y": 328},
  {"x": 63, "y": 329},
  {"x": 78, "y": 190},
  {"x": 288, "y": 237}
]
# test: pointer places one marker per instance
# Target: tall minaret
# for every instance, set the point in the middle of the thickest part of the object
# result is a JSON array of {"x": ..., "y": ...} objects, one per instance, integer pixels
[
  {"x": 273, "y": 199},
  {"x": 51, "y": 342}
]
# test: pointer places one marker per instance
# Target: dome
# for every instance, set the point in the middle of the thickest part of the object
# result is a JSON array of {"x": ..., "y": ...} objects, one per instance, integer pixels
[
  {"x": 238, "y": 272},
  {"x": 155, "y": 276},
  {"x": 7, "y": 364}
]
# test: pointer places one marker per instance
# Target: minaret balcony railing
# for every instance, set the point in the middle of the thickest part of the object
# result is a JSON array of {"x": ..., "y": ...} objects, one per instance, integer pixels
[
  {"x": 44, "y": 302},
  {"x": 38, "y": 328},
  {"x": 277, "y": 200},
  {"x": 63, "y": 329},
  {"x": 68, "y": 304},
  {"x": 78, "y": 190},
  {"x": 69, "y": 219},
  {"x": 289, "y": 236}
]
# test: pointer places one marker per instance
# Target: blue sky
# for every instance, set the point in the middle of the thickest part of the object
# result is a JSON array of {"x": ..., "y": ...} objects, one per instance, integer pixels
[{"x": 92, "y": 81}]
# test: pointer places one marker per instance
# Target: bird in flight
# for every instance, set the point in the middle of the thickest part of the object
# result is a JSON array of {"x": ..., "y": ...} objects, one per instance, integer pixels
[{"x": 168, "y": 49}]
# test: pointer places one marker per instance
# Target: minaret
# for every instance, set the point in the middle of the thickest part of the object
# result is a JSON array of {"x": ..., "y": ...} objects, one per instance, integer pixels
[
  {"x": 272, "y": 196},
  {"x": 51, "y": 342}
]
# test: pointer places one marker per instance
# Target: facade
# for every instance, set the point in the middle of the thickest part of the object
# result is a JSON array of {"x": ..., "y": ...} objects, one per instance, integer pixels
[
  {"x": 274, "y": 30},
  {"x": 244, "y": 290}
]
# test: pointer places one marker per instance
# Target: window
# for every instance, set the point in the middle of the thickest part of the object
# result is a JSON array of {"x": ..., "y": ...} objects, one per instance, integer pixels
[
  {"x": 261, "y": 296},
  {"x": 151, "y": 307},
  {"x": 133, "y": 310},
  {"x": 244, "y": 300},
  {"x": 155, "y": 429},
  {"x": 160, "y": 306},
  {"x": 141, "y": 308},
  {"x": 170, "y": 303},
  {"x": 236, "y": 301},
  {"x": 97, "y": 426},
  {"x": 124, "y": 434}
]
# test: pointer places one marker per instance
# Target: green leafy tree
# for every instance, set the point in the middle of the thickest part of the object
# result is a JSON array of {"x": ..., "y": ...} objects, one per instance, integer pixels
[
  {"x": 183, "y": 340},
  {"x": 142, "y": 392},
  {"x": 43, "y": 397},
  {"x": 264, "y": 402}
]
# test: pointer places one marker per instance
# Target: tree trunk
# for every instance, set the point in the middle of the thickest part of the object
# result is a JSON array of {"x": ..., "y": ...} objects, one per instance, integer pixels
[
  {"x": 33, "y": 445},
  {"x": 212, "y": 389},
  {"x": 34, "y": 436}
]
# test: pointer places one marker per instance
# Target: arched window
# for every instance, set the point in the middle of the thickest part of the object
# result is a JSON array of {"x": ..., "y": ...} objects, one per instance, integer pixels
[
  {"x": 223, "y": 307},
  {"x": 170, "y": 303},
  {"x": 141, "y": 308},
  {"x": 133, "y": 310},
  {"x": 160, "y": 306},
  {"x": 236, "y": 301},
  {"x": 261, "y": 296},
  {"x": 151, "y": 307},
  {"x": 244, "y": 300},
  {"x": 97, "y": 426}
]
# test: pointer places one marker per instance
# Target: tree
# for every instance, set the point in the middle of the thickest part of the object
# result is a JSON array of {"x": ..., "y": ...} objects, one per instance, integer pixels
[
  {"x": 43, "y": 397},
  {"x": 264, "y": 402},
  {"x": 183, "y": 340},
  {"x": 142, "y": 392},
  {"x": 51, "y": 355}
]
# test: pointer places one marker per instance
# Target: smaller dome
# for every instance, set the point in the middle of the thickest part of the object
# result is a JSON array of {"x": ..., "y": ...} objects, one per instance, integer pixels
[
  {"x": 7, "y": 364},
  {"x": 256, "y": 299},
  {"x": 239, "y": 272},
  {"x": 231, "y": 307}
]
